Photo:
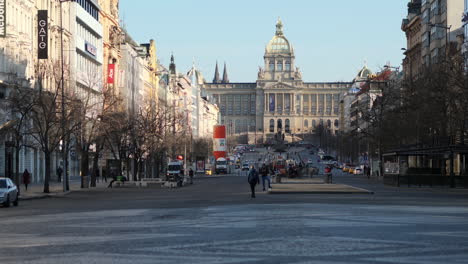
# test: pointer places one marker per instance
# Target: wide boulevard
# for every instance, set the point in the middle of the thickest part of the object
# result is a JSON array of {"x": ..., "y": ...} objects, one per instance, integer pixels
[{"x": 216, "y": 221}]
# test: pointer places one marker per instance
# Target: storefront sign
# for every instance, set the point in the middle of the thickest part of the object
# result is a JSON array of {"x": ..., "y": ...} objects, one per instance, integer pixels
[
  {"x": 42, "y": 32},
  {"x": 111, "y": 74},
  {"x": 90, "y": 49},
  {"x": 2, "y": 18}
]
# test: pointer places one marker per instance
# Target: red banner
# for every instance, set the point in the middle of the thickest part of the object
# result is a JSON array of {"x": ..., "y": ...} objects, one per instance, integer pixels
[{"x": 111, "y": 73}]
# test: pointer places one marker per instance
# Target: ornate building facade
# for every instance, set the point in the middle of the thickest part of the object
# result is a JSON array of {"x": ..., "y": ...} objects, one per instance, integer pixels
[{"x": 279, "y": 101}]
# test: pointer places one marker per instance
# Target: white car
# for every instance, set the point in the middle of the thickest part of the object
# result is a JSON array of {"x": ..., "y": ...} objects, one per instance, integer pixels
[{"x": 8, "y": 192}]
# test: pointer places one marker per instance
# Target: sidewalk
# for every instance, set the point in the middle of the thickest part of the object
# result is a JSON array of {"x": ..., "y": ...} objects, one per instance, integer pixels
[
  {"x": 36, "y": 190},
  {"x": 314, "y": 185}
]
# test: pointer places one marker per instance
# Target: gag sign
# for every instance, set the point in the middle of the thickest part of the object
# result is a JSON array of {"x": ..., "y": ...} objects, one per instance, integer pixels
[
  {"x": 42, "y": 34},
  {"x": 2, "y": 18}
]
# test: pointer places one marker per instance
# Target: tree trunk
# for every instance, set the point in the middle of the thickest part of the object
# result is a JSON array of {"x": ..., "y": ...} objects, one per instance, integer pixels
[
  {"x": 135, "y": 169},
  {"x": 66, "y": 175},
  {"x": 47, "y": 171},
  {"x": 17, "y": 172},
  {"x": 95, "y": 168},
  {"x": 84, "y": 166}
]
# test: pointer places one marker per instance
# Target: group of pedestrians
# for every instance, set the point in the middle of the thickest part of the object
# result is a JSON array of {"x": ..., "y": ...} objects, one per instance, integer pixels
[{"x": 254, "y": 177}]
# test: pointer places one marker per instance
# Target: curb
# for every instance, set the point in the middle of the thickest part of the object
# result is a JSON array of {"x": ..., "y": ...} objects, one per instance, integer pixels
[{"x": 43, "y": 196}]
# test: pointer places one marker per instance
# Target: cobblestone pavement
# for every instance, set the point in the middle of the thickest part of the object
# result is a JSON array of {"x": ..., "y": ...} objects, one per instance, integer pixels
[{"x": 215, "y": 221}]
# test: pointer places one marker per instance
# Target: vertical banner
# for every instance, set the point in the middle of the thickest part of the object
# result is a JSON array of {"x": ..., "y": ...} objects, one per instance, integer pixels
[
  {"x": 42, "y": 35},
  {"x": 272, "y": 103},
  {"x": 219, "y": 142},
  {"x": 3, "y": 21},
  {"x": 111, "y": 73}
]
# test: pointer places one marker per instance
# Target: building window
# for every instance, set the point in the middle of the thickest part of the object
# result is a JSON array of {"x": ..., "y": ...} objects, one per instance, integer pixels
[
  {"x": 329, "y": 104},
  {"x": 337, "y": 123},
  {"x": 287, "y": 66},
  {"x": 253, "y": 105},
  {"x": 336, "y": 103},
  {"x": 425, "y": 16},
  {"x": 305, "y": 104},
  {"x": 280, "y": 125},
  {"x": 272, "y": 65},
  {"x": 314, "y": 123},
  {"x": 306, "y": 123},
  {"x": 287, "y": 103},
  {"x": 321, "y": 101},
  {"x": 287, "y": 126},
  {"x": 313, "y": 104},
  {"x": 279, "y": 65},
  {"x": 328, "y": 123},
  {"x": 272, "y": 125}
]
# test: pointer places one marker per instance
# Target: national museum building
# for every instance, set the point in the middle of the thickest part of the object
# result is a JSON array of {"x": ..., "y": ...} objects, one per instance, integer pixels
[{"x": 279, "y": 101}]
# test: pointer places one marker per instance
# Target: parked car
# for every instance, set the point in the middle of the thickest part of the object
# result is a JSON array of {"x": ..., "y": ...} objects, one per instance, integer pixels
[
  {"x": 351, "y": 169},
  {"x": 358, "y": 170},
  {"x": 8, "y": 192},
  {"x": 245, "y": 167}
]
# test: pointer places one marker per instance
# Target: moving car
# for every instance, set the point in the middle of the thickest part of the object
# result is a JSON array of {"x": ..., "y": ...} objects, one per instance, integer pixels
[
  {"x": 245, "y": 166},
  {"x": 8, "y": 192}
]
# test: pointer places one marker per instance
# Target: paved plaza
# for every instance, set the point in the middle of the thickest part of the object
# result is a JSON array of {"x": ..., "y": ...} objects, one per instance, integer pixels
[{"x": 216, "y": 221}]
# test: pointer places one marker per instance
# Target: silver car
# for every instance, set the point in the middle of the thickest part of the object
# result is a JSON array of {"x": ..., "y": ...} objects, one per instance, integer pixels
[{"x": 8, "y": 192}]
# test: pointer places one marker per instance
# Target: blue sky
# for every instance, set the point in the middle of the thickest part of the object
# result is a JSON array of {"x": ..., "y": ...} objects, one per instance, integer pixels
[{"x": 332, "y": 39}]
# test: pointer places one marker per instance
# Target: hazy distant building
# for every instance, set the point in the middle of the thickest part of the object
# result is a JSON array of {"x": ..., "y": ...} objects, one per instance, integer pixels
[{"x": 279, "y": 101}]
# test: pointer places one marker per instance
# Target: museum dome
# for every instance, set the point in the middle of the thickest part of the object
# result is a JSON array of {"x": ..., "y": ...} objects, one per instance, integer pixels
[{"x": 279, "y": 43}]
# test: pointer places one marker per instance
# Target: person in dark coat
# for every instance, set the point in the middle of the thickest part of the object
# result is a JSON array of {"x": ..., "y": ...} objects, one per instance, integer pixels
[
  {"x": 190, "y": 173},
  {"x": 253, "y": 180},
  {"x": 26, "y": 179},
  {"x": 265, "y": 177},
  {"x": 59, "y": 174}
]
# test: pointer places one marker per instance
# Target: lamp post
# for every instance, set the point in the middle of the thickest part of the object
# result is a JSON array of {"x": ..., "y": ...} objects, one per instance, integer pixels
[{"x": 62, "y": 90}]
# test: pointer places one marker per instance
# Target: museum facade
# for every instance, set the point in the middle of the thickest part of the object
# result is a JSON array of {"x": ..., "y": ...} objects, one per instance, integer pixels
[{"x": 279, "y": 101}]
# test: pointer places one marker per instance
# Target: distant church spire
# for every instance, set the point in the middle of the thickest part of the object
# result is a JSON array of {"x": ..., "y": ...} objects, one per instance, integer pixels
[
  {"x": 216, "y": 75},
  {"x": 172, "y": 66},
  {"x": 225, "y": 75}
]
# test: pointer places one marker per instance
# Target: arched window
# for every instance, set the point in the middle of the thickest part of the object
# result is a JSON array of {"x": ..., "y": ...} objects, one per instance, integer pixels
[
  {"x": 287, "y": 66},
  {"x": 279, "y": 65},
  {"x": 287, "y": 126},
  {"x": 272, "y": 125},
  {"x": 272, "y": 65},
  {"x": 280, "y": 125},
  {"x": 245, "y": 124},
  {"x": 306, "y": 123},
  {"x": 328, "y": 123},
  {"x": 321, "y": 122},
  {"x": 336, "y": 123},
  {"x": 314, "y": 124},
  {"x": 253, "y": 126}
]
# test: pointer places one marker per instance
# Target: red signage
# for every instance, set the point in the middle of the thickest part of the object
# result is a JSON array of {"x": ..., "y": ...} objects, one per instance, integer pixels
[{"x": 111, "y": 74}]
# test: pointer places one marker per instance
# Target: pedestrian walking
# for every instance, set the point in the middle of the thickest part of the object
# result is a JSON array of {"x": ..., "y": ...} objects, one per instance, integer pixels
[
  {"x": 97, "y": 174},
  {"x": 191, "y": 175},
  {"x": 265, "y": 176},
  {"x": 253, "y": 180},
  {"x": 26, "y": 179},
  {"x": 59, "y": 173}
]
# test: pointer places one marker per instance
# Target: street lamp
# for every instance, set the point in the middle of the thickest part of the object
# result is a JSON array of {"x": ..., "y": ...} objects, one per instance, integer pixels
[{"x": 62, "y": 89}]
